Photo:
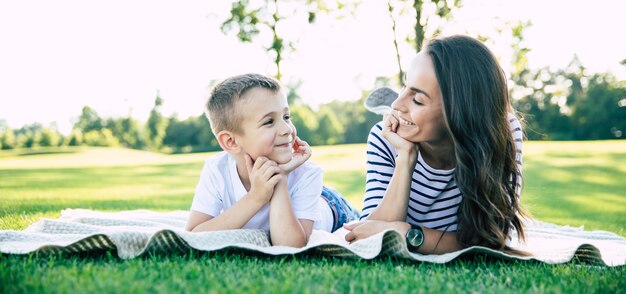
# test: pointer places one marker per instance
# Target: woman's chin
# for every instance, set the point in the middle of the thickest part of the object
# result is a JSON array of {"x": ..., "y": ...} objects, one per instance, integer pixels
[{"x": 408, "y": 134}]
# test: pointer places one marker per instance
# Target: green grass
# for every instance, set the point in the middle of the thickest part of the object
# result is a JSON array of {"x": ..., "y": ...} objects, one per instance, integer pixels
[{"x": 574, "y": 183}]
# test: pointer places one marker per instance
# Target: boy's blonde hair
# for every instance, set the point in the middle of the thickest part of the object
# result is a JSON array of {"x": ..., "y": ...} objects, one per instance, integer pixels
[{"x": 220, "y": 107}]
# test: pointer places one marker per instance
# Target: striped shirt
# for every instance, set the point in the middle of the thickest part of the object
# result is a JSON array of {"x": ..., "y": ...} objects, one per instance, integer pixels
[{"x": 434, "y": 196}]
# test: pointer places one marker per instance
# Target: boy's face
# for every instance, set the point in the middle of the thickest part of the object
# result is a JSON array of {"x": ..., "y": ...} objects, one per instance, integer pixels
[{"x": 266, "y": 128}]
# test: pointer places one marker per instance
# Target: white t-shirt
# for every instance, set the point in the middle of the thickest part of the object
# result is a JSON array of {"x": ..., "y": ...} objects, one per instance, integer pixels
[{"x": 220, "y": 188}]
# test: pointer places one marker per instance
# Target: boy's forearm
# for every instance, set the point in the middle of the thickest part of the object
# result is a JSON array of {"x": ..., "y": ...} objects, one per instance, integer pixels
[
  {"x": 395, "y": 203},
  {"x": 285, "y": 229},
  {"x": 233, "y": 218}
]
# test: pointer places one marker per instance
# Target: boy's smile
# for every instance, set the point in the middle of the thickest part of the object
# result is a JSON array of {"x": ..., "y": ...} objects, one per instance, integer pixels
[{"x": 266, "y": 127}]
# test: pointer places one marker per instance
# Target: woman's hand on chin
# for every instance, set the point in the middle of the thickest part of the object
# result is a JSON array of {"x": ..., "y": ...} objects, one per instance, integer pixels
[{"x": 390, "y": 128}]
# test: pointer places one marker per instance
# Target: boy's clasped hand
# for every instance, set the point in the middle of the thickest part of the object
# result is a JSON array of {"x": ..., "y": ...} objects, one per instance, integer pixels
[{"x": 265, "y": 173}]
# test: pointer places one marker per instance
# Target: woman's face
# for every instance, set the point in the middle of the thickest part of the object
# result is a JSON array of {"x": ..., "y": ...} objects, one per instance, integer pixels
[{"x": 419, "y": 107}]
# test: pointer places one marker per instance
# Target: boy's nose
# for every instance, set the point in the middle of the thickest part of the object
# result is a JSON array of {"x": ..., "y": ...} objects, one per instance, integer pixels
[{"x": 285, "y": 128}]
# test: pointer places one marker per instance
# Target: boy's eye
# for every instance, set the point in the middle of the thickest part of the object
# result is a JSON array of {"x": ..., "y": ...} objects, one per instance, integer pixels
[
  {"x": 287, "y": 117},
  {"x": 268, "y": 122}
]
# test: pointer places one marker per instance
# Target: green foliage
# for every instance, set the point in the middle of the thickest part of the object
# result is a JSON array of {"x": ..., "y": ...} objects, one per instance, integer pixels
[
  {"x": 569, "y": 105},
  {"x": 192, "y": 134},
  {"x": 248, "y": 20},
  {"x": 128, "y": 132},
  {"x": 89, "y": 120},
  {"x": 157, "y": 124},
  {"x": 75, "y": 138},
  {"x": 597, "y": 114},
  {"x": 7, "y": 139},
  {"x": 306, "y": 122},
  {"x": 329, "y": 130},
  {"x": 50, "y": 138},
  {"x": 102, "y": 137},
  {"x": 425, "y": 26}
]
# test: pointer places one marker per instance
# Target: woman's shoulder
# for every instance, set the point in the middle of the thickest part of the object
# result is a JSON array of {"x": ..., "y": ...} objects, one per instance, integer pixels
[
  {"x": 515, "y": 125},
  {"x": 514, "y": 121},
  {"x": 377, "y": 128}
]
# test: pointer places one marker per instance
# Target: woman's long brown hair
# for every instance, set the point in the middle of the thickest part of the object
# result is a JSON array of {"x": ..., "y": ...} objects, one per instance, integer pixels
[{"x": 476, "y": 103}]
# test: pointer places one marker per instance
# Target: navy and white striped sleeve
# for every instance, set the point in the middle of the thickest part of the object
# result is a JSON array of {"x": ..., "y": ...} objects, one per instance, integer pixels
[
  {"x": 518, "y": 138},
  {"x": 380, "y": 165}
]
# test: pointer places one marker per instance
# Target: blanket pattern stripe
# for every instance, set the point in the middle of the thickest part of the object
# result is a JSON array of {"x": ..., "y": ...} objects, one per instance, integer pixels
[{"x": 129, "y": 234}]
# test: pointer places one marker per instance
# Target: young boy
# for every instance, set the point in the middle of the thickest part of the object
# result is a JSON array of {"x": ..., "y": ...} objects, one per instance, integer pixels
[{"x": 262, "y": 180}]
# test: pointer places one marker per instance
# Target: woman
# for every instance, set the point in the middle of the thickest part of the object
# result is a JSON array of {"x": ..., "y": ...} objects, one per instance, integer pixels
[{"x": 444, "y": 167}]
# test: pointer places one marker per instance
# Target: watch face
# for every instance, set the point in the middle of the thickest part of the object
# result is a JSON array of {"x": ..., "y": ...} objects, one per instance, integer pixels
[{"x": 415, "y": 237}]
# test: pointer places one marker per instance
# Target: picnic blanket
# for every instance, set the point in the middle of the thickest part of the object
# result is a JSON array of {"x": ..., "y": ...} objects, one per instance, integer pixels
[{"x": 134, "y": 233}]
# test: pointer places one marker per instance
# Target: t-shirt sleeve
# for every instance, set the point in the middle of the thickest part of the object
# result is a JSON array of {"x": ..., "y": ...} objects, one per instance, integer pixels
[
  {"x": 207, "y": 199},
  {"x": 518, "y": 138},
  {"x": 306, "y": 191},
  {"x": 380, "y": 165}
]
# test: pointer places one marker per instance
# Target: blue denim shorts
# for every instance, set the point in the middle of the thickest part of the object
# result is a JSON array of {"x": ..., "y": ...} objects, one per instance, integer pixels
[{"x": 343, "y": 212}]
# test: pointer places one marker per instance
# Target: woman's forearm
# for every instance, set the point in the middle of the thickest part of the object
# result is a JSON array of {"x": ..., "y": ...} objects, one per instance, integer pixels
[
  {"x": 435, "y": 241},
  {"x": 395, "y": 202}
]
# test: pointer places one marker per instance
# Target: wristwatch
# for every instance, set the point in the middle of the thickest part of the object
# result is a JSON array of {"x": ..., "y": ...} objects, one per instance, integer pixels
[{"x": 414, "y": 238}]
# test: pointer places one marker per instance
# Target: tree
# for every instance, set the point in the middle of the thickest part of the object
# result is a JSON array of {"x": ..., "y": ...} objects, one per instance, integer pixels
[
  {"x": 425, "y": 24},
  {"x": 329, "y": 131},
  {"x": 89, "y": 120},
  {"x": 192, "y": 134},
  {"x": 49, "y": 138},
  {"x": 305, "y": 121},
  {"x": 157, "y": 124},
  {"x": 75, "y": 138},
  {"x": 103, "y": 137},
  {"x": 597, "y": 112},
  {"x": 249, "y": 19},
  {"x": 7, "y": 139}
]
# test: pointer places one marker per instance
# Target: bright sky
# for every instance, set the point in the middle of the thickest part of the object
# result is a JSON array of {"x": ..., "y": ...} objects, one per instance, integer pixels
[{"x": 58, "y": 56}]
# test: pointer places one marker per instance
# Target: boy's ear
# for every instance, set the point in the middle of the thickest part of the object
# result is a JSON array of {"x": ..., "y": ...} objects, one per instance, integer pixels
[{"x": 228, "y": 142}]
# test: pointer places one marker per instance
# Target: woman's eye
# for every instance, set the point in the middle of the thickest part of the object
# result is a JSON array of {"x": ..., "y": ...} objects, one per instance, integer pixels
[{"x": 416, "y": 101}]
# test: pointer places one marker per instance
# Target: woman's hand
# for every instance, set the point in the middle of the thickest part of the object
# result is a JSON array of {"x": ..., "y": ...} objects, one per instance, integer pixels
[
  {"x": 301, "y": 153},
  {"x": 364, "y": 229},
  {"x": 390, "y": 128}
]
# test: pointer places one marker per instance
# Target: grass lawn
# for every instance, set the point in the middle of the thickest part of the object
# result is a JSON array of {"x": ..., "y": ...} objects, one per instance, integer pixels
[{"x": 574, "y": 183}]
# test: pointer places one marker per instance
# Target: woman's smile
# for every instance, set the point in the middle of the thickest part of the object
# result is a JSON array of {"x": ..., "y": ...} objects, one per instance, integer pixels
[{"x": 402, "y": 120}]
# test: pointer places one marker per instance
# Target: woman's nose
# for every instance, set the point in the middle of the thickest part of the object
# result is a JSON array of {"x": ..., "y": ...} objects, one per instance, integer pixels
[{"x": 398, "y": 104}]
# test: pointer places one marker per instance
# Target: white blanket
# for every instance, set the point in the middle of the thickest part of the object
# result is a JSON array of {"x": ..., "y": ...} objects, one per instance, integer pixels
[{"x": 133, "y": 233}]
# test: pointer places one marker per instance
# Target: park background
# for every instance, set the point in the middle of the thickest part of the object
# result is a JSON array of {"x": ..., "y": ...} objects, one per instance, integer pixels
[{"x": 101, "y": 108}]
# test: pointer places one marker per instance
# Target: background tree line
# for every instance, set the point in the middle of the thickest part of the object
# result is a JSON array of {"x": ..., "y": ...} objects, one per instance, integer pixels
[{"x": 564, "y": 104}]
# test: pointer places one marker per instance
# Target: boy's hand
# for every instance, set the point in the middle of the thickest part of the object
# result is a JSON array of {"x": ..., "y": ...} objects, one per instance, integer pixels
[
  {"x": 301, "y": 153},
  {"x": 264, "y": 174}
]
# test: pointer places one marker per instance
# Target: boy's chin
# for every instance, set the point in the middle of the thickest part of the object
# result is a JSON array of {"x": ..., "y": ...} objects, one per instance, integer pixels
[{"x": 282, "y": 159}]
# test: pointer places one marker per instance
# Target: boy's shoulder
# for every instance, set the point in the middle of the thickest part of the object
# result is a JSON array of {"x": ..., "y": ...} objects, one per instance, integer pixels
[
  {"x": 219, "y": 158},
  {"x": 218, "y": 163}
]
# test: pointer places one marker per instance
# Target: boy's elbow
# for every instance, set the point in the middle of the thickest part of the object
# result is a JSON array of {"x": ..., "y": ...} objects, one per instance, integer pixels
[
  {"x": 190, "y": 227},
  {"x": 296, "y": 242}
]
